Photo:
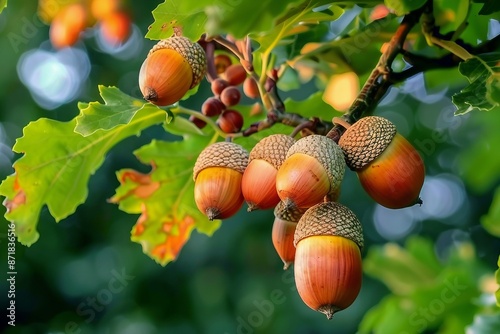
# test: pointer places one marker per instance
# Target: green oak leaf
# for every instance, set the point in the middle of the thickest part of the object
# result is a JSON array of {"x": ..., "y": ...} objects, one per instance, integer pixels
[
  {"x": 164, "y": 197},
  {"x": 172, "y": 15},
  {"x": 118, "y": 108},
  {"x": 483, "y": 91},
  {"x": 56, "y": 166},
  {"x": 236, "y": 17},
  {"x": 292, "y": 25},
  {"x": 402, "y": 7}
]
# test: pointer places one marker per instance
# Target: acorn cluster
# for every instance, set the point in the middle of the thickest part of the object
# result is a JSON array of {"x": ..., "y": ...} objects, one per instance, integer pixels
[
  {"x": 301, "y": 180},
  {"x": 71, "y": 20}
]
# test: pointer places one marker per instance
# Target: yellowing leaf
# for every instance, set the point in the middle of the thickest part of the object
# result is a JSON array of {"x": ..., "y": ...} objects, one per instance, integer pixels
[{"x": 164, "y": 198}]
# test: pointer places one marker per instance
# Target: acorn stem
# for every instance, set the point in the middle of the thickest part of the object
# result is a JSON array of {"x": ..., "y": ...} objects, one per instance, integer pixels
[{"x": 340, "y": 121}]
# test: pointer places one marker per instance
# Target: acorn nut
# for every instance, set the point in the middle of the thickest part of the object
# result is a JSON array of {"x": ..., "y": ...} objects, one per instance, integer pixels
[
  {"x": 217, "y": 174},
  {"x": 389, "y": 168},
  {"x": 327, "y": 267},
  {"x": 259, "y": 179},
  {"x": 285, "y": 222},
  {"x": 172, "y": 67},
  {"x": 314, "y": 168}
]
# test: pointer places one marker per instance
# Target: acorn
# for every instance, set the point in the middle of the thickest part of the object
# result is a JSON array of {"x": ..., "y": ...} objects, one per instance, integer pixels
[
  {"x": 217, "y": 175},
  {"x": 259, "y": 180},
  {"x": 389, "y": 168},
  {"x": 172, "y": 67},
  {"x": 285, "y": 222},
  {"x": 314, "y": 168},
  {"x": 327, "y": 268}
]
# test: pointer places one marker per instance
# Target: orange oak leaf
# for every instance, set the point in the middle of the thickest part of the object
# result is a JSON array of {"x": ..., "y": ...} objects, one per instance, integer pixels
[
  {"x": 144, "y": 188},
  {"x": 177, "y": 233},
  {"x": 18, "y": 200}
]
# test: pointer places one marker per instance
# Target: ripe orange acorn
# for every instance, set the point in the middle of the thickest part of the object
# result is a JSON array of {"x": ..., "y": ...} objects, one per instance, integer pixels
[
  {"x": 259, "y": 180},
  {"x": 314, "y": 168},
  {"x": 285, "y": 222},
  {"x": 327, "y": 268},
  {"x": 172, "y": 67},
  {"x": 389, "y": 168},
  {"x": 217, "y": 175}
]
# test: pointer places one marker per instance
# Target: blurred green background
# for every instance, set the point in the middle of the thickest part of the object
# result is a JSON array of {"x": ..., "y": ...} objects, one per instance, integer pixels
[{"x": 427, "y": 269}]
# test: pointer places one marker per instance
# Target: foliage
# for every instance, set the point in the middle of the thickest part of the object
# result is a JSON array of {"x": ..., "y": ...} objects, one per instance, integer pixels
[
  {"x": 304, "y": 43},
  {"x": 41, "y": 175},
  {"x": 427, "y": 294}
]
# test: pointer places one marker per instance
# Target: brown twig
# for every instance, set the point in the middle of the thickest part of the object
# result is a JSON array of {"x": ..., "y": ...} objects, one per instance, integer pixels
[{"x": 379, "y": 80}]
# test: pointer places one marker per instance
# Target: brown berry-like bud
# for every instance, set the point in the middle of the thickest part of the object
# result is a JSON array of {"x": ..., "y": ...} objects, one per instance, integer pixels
[
  {"x": 172, "y": 67},
  {"x": 389, "y": 168},
  {"x": 285, "y": 222},
  {"x": 314, "y": 168},
  {"x": 230, "y": 96},
  {"x": 259, "y": 180},
  {"x": 250, "y": 88},
  {"x": 327, "y": 267},
  {"x": 212, "y": 107},
  {"x": 222, "y": 62},
  {"x": 217, "y": 175},
  {"x": 218, "y": 85},
  {"x": 230, "y": 121},
  {"x": 200, "y": 124},
  {"x": 235, "y": 74}
]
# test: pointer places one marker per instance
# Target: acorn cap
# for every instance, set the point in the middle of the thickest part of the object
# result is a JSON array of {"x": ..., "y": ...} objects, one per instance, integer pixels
[
  {"x": 287, "y": 213},
  {"x": 272, "y": 149},
  {"x": 327, "y": 152},
  {"x": 222, "y": 154},
  {"x": 365, "y": 140},
  {"x": 329, "y": 218},
  {"x": 192, "y": 52}
]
